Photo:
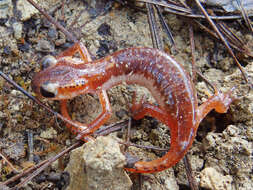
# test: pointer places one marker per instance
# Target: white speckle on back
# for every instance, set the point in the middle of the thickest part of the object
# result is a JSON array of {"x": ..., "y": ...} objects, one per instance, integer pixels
[{"x": 185, "y": 79}]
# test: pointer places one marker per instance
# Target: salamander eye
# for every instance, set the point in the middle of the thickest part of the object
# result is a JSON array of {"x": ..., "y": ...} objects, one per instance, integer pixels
[{"x": 48, "y": 61}]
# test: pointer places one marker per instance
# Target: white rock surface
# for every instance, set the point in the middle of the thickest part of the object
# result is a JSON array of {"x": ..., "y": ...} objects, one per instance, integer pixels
[{"x": 98, "y": 165}]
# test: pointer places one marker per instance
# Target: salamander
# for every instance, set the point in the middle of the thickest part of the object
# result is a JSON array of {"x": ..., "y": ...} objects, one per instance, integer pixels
[{"x": 177, "y": 107}]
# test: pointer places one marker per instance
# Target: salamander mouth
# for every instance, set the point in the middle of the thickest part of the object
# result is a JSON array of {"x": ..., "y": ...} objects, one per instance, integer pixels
[{"x": 46, "y": 93}]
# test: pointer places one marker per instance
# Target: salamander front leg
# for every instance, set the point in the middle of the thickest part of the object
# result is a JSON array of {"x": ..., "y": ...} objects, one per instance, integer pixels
[
  {"x": 77, "y": 47},
  {"x": 102, "y": 118},
  {"x": 73, "y": 129}
]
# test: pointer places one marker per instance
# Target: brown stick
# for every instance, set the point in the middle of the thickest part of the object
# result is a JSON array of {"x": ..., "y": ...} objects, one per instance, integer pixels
[
  {"x": 224, "y": 41},
  {"x": 51, "y": 19}
]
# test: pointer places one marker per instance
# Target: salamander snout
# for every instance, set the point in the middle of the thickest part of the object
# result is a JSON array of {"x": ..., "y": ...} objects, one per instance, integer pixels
[
  {"x": 46, "y": 93},
  {"x": 49, "y": 90}
]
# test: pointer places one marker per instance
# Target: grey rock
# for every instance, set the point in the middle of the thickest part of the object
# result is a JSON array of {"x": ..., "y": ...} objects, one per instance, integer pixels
[
  {"x": 26, "y": 9},
  {"x": 5, "y": 8},
  {"x": 98, "y": 165}
]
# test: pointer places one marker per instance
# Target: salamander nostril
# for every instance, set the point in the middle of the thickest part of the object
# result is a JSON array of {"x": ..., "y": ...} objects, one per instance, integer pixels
[{"x": 46, "y": 93}]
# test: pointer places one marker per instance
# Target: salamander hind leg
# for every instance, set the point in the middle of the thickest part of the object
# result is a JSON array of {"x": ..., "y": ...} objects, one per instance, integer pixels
[
  {"x": 139, "y": 110},
  {"x": 143, "y": 108},
  {"x": 219, "y": 101},
  {"x": 224, "y": 100}
]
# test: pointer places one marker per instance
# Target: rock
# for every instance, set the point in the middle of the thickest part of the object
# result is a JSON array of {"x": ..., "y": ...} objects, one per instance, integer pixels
[
  {"x": 243, "y": 110},
  {"x": 4, "y": 187},
  {"x": 230, "y": 5},
  {"x": 5, "y": 8},
  {"x": 164, "y": 180},
  {"x": 211, "y": 179},
  {"x": 29, "y": 9},
  {"x": 48, "y": 134},
  {"x": 15, "y": 151},
  {"x": 98, "y": 165},
  {"x": 54, "y": 177},
  {"x": 45, "y": 46},
  {"x": 17, "y": 27}
]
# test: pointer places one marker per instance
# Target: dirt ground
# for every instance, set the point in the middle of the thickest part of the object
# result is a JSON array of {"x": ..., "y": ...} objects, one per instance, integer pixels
[{"x": 221, "y": 155}]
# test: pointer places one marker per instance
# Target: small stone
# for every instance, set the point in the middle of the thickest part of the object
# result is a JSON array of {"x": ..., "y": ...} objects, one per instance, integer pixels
[
  {"x": 68, "y": 142},
  {"x": 55, "y": 165},
  {"x": 4, "y": 187},
  {"x": 212, "y": 179},
  {"x": 17, "y": 27},
  {"x": 104, "y": 29},
  {"x": 15, "y": 105},
  {"x": 7, "y": 50},
  {"x": 54, "y": 177},
  {"x": 29, "y": 9},
  {"x": 48, "y": 134},
  {"x": 5, "y": 8},
  {"x": 16, "y": 93},
  {"x": 232, "y": 130},
  {"x": 164, "y": 180},
  {"x": 40, "y": 178},
  {"x": 98, "y": 165},
  {"x": 15, "y": 151},
  {"x": 210, "y": 141},
  {"x": 24, "y": 47},
  {"x": 52, "y": 33},
  {"x": 121, "y": 113},
  {"x": 60, "y": 42},
  {"x": 133, "y": 26},
  {"x": 45, "y": 46}
]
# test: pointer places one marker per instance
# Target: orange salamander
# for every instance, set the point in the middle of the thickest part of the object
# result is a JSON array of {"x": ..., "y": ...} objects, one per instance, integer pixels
[{"x": 66, "y": 77}]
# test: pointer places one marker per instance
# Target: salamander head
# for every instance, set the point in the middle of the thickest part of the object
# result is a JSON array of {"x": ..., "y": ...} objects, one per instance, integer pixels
[{"x": 59, "y": 79}]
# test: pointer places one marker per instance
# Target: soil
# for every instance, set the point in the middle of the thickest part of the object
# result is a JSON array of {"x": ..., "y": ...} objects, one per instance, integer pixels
[{"x": 223, "y": 147}]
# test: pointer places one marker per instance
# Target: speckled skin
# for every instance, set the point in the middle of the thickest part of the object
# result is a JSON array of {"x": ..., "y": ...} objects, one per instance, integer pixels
[{"x": 167, "y": 81}]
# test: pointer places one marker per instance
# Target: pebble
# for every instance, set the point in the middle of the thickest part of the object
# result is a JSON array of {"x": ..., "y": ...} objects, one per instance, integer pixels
[
  {"x": 40, "y": 178},
  {"x": 54, "y": 177},
  {"x": 16, "y": 93},
  {"x": 7, "y": 50},
  {"x": 230, "y": 5},
  {"x": 212, "y": 179},
  {"x": 5, "y": 8},
  {"x": 29, "y": 9},
  {"x": 17, "y": 27},
  {"x": 48, "y": 134},
  {"x": 15, "y": 151},
  {"x": 98, "y": 165},
  {"x": 232, "y": 130},
  {"x": 121, "y": 113},
  {"x": 24, "y": 47},
  {"x": 4, "y": 187},
  {"x": 104, "y": 29},
  {"x": 52, "y": 33},
  {"x": 45, "y": 46}
]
